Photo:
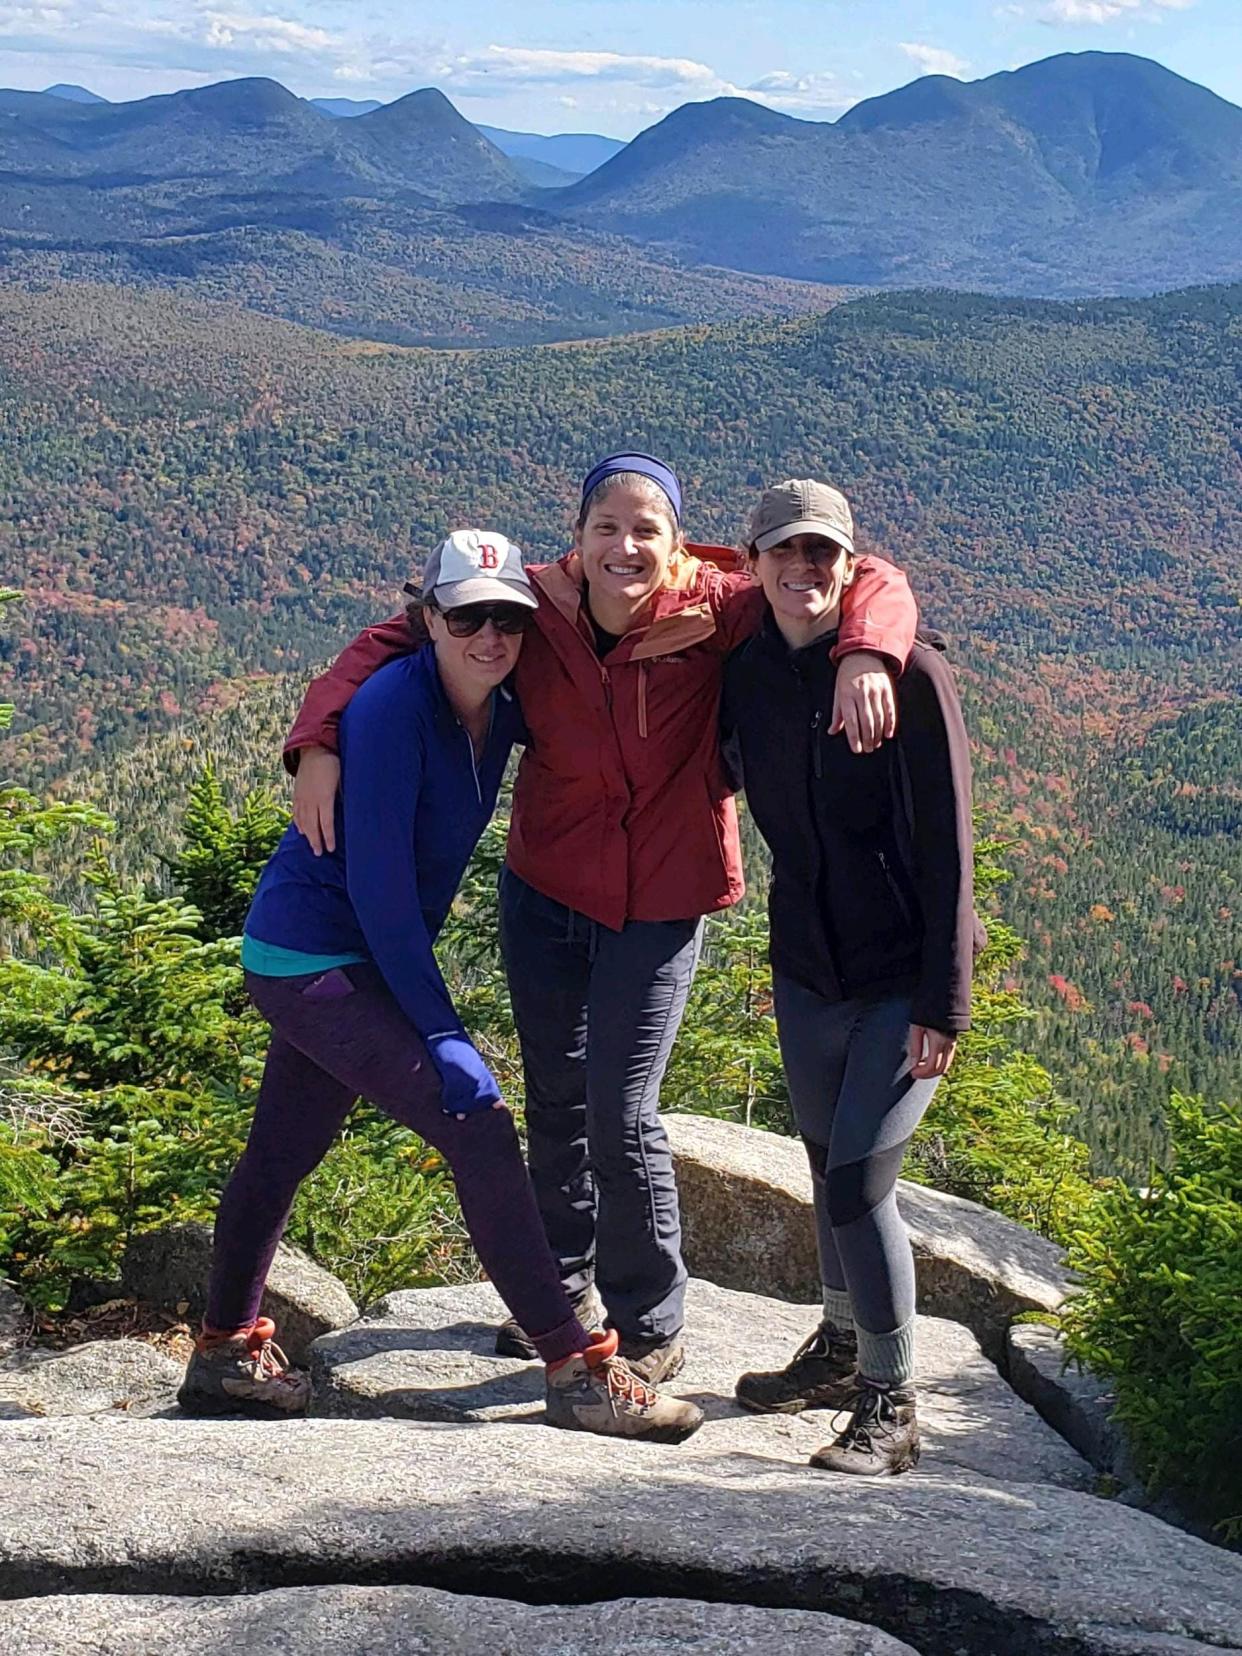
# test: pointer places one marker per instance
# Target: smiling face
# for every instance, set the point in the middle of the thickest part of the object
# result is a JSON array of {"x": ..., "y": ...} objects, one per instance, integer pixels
[
  {"x": 477, "y": 664},
  {"x": 803, "y": 579},
  {"x": 626, "y": 540}
]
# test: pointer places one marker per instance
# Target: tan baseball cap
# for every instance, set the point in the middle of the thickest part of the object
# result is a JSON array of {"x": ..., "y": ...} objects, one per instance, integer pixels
[
  {"x": 800, "y": 506},
  {"x": 477, "y": 566}
]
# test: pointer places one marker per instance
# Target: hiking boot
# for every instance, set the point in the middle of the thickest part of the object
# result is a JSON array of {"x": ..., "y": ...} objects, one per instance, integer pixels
[
  {"x": 595, "y": 1391},
  {"x": 244, "y": 1373},
  {"x": 821, "y": 1374},
  {"x": 881, "y": 1437},
  {"x": 512, "y": 1340},
  {"x": 653, "y": 1360}
]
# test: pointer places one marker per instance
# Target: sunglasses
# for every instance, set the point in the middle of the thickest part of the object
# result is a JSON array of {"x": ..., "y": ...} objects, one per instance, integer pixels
[{"x": 506, "y": 618}]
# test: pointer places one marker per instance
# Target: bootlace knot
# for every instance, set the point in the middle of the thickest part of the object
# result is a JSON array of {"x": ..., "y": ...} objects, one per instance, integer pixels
[
  {"x": 270, "y": 1362},
  {"x": 623, "y": 1383},
  {"x": 872, "y": 1416}
]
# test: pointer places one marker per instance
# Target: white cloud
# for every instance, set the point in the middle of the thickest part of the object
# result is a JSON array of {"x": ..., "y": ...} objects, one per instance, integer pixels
[
  {"x": 935, "y": 60},
  {"x": 540, "y": 68},
  {"x": 1108, "y": 11},
  {"x": 267, "y": 33},
  {"x": 129, "y": 47}
]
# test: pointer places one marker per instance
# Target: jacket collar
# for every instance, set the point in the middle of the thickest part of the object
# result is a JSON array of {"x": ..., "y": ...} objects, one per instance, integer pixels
[
  {"x": 807, "y": 660},
  {"x": 682, "y": 614}
]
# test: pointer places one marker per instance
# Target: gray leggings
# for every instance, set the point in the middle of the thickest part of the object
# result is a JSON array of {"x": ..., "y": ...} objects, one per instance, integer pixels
[{"x": 856, "y": 1109}]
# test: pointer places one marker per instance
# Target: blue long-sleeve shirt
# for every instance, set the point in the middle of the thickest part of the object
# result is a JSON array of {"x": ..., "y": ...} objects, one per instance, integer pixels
[{"x": 412, "y": 806}]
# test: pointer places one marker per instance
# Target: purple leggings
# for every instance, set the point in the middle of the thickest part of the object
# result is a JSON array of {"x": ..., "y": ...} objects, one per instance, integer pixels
[{"x": 335, "y": 1037}]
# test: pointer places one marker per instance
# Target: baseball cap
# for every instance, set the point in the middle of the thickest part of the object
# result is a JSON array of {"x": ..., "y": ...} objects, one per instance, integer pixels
[
  {"x": 800, "y": 506},
  {"x": 477, "y": 566}
]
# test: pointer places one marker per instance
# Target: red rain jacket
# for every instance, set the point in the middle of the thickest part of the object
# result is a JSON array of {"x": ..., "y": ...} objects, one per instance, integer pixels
[{"x": 622, "y": 809}]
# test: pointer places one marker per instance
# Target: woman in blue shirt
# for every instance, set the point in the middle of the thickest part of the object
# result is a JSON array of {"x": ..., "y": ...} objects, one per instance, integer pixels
[{"x": 338, "y": 957}]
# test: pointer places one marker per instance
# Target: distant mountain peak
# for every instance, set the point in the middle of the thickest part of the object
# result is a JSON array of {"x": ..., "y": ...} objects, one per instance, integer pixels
[
  {"x": 73, "y": 94},
  {"x": 719, "y": 115},
  {"x": 692, "y": 127},
  {"x": 249, "y": 97},
  {"x": 426, "y": 107},
  {"x": 930, "y": 98}
]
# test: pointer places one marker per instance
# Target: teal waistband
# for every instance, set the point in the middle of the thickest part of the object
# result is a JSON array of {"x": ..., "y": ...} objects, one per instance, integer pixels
[{"x": 270, "y": 960}]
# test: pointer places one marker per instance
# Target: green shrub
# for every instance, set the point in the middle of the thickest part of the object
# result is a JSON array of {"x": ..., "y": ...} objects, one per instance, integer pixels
[
  {"x": 133, "y": 1062},
  {"x": 1160, "y": 1313},
  {"x": 225, "y": 853}
]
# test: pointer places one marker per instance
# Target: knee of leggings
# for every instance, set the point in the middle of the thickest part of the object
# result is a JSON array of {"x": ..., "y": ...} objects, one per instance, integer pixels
[
  {"x": 817, "y": 1155},
  {"x": 857, "y": 1188}
]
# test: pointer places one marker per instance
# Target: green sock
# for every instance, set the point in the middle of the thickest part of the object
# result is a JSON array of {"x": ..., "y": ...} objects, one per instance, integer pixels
[{"x": 838, "y": 1313}]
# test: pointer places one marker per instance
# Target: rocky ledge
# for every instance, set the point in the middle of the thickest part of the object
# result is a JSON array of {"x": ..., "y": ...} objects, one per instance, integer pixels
[
  {"x": 451, "y": 1481},
  {"x": 421, "y": 1621}
]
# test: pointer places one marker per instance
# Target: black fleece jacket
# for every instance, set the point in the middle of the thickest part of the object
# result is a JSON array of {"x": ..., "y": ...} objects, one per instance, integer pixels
[{"x": 871, "y": 888}]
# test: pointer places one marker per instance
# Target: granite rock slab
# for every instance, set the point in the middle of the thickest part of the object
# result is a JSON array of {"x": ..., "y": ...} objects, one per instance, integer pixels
[
  {"x": 420, "y": 1621},
  {"x": 747, "y": 1223},
  {"x": 953, "y": 1564},
  {"x": 428, "y": 1355},
  {"x": 171, "y": 1267},
  {"x": 91, "y": 1378},
  {"x": 1073, "y": 1400}
]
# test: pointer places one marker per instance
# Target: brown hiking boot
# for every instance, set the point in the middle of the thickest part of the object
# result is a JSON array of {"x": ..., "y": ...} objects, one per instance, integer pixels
[
  {"x": 654, "y": 1361},
  {"x": 595, "y": 1391},
  {"x": 881, "y": 1437},
  {"x": 512, "y": 1340},
  {"x": 244, "y": 1373},
  {"x": 821, "y": 1374}
]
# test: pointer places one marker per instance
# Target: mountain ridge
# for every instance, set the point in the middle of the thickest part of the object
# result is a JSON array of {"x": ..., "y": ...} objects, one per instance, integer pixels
[{"x": 1082, "y": 173}]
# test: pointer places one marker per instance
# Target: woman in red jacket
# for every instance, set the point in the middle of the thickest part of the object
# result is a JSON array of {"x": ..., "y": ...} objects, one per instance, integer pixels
[{"x": 623, "y": 836}]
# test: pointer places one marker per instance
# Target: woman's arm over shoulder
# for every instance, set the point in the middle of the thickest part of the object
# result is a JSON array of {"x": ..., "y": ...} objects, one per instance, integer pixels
[
  {"x": 936, "y": 752},
  {"x": 737, "y": 603},
  {"x": 329, "y": 694},
  {"x": 878, "y": 613}
]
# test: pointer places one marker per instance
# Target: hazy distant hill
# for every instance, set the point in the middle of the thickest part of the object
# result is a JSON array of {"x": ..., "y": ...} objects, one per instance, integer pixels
[
  {"x": 344, "y": 108},
  {"x": 402, "y": 224},
  {"x": 242, "y": 131},
  {"x": 412, "y": 273},
  {"x": 576, "y": 153},
  {"x": 74, "y": 94},
  {"x": 1085, "y": 174},
  {"x": 1092, "y": 173}
]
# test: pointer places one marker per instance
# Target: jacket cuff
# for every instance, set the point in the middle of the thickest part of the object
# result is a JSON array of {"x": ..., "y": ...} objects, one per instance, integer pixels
[
  {"x": 945, "y": 1023},
  {"x": 873, "y": 641}
]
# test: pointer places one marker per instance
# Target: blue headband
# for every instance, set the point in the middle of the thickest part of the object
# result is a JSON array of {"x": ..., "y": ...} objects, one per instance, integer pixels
[{"x": 646, "y": 465}]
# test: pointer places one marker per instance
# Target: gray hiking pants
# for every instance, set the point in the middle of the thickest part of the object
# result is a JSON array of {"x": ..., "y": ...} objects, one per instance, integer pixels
[{"x": 597, "y": 1012}]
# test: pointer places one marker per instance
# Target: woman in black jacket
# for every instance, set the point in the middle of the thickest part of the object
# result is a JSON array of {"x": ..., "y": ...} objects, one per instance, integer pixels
[{"x": 873, "y": 935}]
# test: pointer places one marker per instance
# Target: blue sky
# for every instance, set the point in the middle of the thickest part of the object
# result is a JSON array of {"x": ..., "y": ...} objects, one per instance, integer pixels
[{"x": 610, "y": 66}]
